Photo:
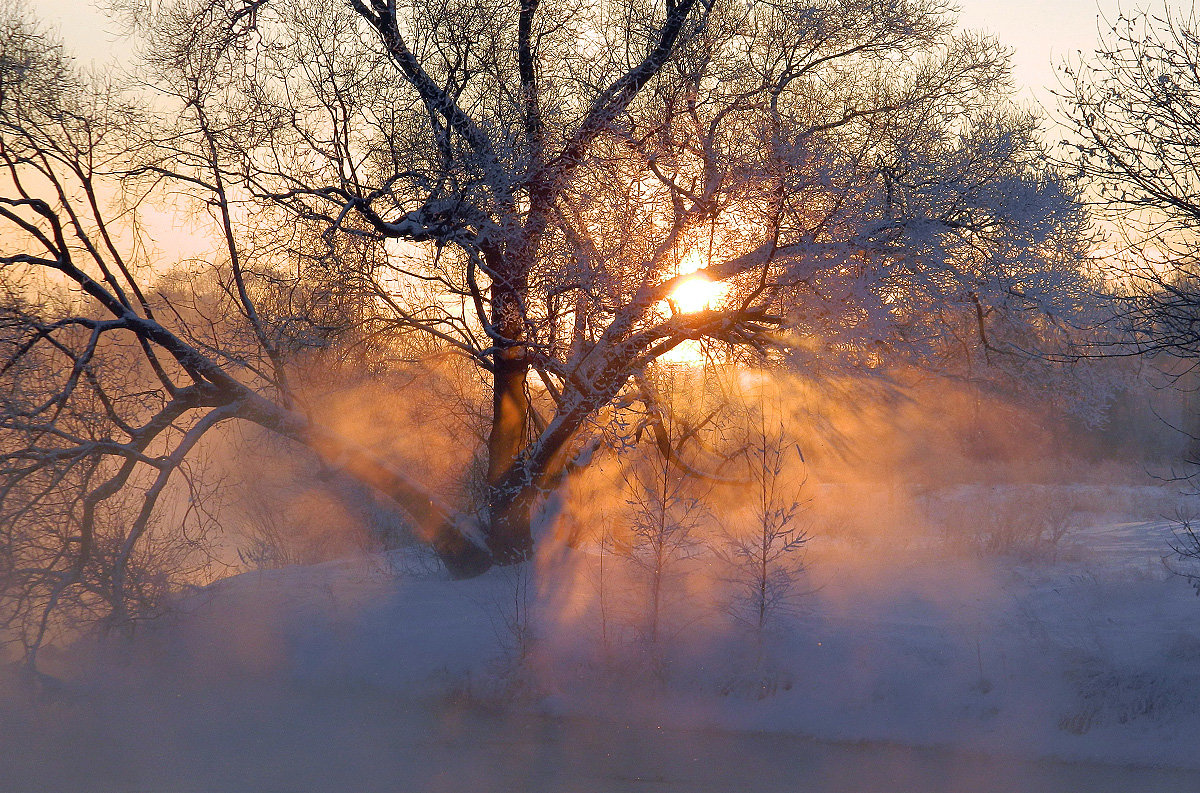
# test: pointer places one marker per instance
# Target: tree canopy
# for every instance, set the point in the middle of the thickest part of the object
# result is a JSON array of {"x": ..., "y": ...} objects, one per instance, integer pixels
[{"x": 530, "y": 188}]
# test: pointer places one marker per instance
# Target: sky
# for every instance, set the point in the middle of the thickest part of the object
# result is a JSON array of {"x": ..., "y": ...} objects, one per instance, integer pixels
[{"x": 1042, "y": 34}]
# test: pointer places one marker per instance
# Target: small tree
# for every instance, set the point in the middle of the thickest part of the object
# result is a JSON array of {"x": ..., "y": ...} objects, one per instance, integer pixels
[
  {"x": 762, "y": 551},
  {"x": 1134, "y": 106},
  {"x": 1186, "y": 547},
  {"x": 665, "y": 514}
]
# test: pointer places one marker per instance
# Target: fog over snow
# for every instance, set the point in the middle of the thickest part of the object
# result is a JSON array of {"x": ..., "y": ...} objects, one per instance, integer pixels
[{"x": 906, "y": 668}]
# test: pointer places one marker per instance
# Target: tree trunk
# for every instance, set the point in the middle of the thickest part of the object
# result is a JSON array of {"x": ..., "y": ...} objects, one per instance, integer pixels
[
  {"x": 510, "y": 538},
  {"x": 462, "y": 558},
  {"x": 509, "y": 507},
  {"x": 527, "y": 472}
]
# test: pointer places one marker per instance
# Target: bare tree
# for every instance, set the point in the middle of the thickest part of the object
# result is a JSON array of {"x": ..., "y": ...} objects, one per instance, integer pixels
[
  {"x": 554, "y": 193},
  {"x": 665, "y": 513},
  {"x": 525, "y": 187},
  {"x": 1133, "y": 107},
  {"x": 763, "y": 551}
]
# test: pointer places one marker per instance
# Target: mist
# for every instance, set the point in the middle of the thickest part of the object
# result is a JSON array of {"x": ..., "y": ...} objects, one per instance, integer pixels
[{"x": 974, "y": 598}]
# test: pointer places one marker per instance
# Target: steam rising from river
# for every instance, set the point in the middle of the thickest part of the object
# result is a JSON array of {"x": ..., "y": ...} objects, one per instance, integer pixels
[{"x": 922, "y": 503}]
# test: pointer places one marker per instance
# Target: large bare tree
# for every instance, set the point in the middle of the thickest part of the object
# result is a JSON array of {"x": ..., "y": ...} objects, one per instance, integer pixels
[{"x": 533, "y": 187}]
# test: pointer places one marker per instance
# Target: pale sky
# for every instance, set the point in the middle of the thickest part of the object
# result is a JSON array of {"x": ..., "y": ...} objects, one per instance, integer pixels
[
  {"x": 1044, "y": 34},
  {"x": 1041, "y": 33}
]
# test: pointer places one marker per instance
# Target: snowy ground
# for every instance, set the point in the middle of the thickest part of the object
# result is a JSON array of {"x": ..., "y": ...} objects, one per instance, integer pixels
[{"x": 908, "y": 668}]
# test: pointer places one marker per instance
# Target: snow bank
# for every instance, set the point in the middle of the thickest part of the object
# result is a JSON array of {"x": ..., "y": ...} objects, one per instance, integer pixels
[{"x": 917, "y": 652}]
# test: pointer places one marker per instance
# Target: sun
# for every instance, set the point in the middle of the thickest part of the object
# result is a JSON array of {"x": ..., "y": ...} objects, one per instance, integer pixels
[
  {"x": 698, "y": 293},
  {"x": 695, "y": 292}
]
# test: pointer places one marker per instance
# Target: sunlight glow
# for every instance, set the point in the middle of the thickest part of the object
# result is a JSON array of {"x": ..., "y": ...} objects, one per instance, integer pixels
[{"x": 698, "y": 293}]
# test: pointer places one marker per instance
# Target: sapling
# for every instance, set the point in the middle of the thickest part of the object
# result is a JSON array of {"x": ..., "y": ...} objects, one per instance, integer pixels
[
  {"x": 762, "y": 551},
  {"x": 665, "y": 513}
]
